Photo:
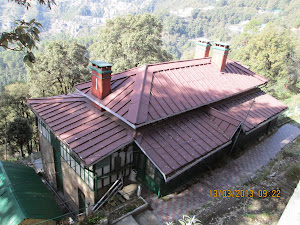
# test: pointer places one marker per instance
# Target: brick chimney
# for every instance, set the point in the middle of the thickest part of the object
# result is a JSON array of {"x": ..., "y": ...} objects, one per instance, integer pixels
[
  {"x": 202, "y": 48},
  {"x": 101, "y": 76},
  {"x": 219, "y": 57}
]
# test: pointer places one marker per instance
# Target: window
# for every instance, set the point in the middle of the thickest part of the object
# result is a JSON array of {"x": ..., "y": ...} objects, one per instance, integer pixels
[
  {"x": 87, "y": 175},
  {"x": 150, "y": 169},
  {"x": 44, "y": 130}
]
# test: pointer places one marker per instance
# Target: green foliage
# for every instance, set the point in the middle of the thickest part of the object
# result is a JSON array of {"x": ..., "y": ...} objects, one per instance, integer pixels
[
  {"x": 58, "y": 69},
  {"x": 22, "y": 38},
  {"x": 130, "y": 41},
  {"x": 96, "y": 219},
  {"x": 20, "y": 132},
  {"x": 14, "y": 99},
  {"x": 272, "y": 54},
  {"x": 187, "y": 220},
  {"x": 25, "y": 34},
  {"x": 12, "y": 68},
  {"x": 293, "y": 173}
]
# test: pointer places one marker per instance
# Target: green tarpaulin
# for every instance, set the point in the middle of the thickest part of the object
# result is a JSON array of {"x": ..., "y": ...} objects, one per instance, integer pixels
[{"x": 23, "y": 195}]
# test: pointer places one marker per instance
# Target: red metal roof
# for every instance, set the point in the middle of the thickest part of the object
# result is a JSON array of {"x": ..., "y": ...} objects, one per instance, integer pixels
[
  {"x": 175, "y": 143},
  {"x": 89, "y": 133},
  {"x": 263, "y": 108},
  {"x": 153, "y": 92}
]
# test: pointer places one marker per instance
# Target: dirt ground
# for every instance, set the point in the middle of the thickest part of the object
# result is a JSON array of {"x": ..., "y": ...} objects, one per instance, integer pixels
[{"x": 281, "y": 175}]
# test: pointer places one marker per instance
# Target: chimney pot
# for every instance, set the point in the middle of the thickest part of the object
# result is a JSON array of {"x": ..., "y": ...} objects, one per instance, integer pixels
[
  {"x": 202, "y": 48},
  {"x": 101, "y": 77},
  {"x": 220, "y": 53}
]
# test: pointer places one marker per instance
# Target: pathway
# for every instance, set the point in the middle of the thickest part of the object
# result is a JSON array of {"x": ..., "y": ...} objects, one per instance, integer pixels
[{"x": 235, "y": 172}]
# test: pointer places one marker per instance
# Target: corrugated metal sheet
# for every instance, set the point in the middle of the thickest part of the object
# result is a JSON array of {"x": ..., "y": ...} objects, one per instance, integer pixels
[
  {"x": 23, "y": 195},
  {"x": 263, "y": 108},
  {"x": 153, "y": 92},
  {"x": 174, "y": 144},
  {"x": 90, "y": 133}
]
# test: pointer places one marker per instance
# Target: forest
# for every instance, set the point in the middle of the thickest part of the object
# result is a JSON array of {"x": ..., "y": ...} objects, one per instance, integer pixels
[{"x": 263, "y": 35}]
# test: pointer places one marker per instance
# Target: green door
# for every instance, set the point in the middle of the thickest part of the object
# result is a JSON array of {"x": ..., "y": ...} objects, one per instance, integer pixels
[
  {"x": 147, "y": 173},
  {"x": 57, "y": 158}
]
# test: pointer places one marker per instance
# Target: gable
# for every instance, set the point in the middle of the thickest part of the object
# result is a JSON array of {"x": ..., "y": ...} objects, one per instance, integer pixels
[{"x": 90, "y": 133}]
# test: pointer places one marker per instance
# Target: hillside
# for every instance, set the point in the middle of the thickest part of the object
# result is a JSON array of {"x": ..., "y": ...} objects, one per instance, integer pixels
[
  {"x": 183, "y": 21},
  {"x": 79, "y": 17}
]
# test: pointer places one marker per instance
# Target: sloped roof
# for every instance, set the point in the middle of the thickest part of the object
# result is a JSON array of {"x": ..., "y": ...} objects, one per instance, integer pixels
[
  {"x": 154, "y": 92},
  {"x": 90, "y": 133},
  {"x": 23, "y": 195},
  {"x": 263, "y": 108},
  {"x": 175, "y": 143},
  {"x": 190, "y": 108}
]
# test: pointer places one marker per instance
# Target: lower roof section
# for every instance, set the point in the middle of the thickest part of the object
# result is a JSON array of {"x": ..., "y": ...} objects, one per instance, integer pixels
[
  {"x": 251, "y": 108},
  {"x": 174, "y": 144}
]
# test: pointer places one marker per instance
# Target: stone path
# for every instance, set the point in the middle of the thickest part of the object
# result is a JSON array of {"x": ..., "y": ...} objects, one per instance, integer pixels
[{"x": 235, "y": 172}]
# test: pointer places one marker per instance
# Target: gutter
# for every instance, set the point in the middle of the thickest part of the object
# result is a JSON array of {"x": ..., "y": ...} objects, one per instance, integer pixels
[
  {"x": 197, "y": 161},
  {"x": 263, "y": 123},
  {"x": 167, "y": 179}
]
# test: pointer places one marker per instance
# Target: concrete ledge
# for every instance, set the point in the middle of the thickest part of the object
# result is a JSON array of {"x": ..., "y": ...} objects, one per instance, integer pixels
[{"x": 291, "y": 214}]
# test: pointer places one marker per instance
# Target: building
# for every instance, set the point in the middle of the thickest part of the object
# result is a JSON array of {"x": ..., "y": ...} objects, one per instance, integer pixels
[
  {"x": 24, "y": 198},
  {"x": 165, "y": 120}
]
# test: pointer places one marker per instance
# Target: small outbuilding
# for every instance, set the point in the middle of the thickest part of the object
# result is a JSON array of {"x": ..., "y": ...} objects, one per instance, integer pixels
[{"x": 24, "y": 199}]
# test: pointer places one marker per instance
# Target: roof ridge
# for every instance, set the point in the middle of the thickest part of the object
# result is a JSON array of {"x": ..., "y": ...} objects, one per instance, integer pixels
[{"x": 138, "y": 90}]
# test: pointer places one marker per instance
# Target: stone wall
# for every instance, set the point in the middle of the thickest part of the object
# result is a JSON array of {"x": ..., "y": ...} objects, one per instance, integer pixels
[
  {"x": 72, "y": 182},
  {"x": 48, "y": 160}
]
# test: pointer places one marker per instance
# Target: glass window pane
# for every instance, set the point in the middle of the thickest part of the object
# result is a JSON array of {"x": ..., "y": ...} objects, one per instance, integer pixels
[
  {"x": 150, "y": 169},
  {"x": 77, "y": 168}
]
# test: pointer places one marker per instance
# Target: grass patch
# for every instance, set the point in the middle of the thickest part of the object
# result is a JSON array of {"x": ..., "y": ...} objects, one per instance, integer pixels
[{"x": 293, "y": 173}]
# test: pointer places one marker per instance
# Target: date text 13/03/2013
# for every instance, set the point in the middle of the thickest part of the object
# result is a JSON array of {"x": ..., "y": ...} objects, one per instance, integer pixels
[{"x": 240, "y": 193}]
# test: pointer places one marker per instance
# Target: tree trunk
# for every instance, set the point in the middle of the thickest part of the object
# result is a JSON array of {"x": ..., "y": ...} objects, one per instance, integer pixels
[
  {"x": 28, "y": 148},
  {"x": 22, "y": 152}
]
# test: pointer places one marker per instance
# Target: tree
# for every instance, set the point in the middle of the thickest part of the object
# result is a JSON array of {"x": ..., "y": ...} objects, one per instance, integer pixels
[
  {"x": 20, "y": 132},
  {"x": 14, "y": 99},
  {"x": 4, "y": 114},
  {"x": 272, "y": 54},
  {"x": 130, "y": 41},
  {"x": 58, "y": 68},
  {"x": 25, "y": 34}
]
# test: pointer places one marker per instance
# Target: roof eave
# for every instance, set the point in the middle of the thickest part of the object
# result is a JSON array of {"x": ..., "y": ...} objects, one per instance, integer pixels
[
  {"x": 196, "y": 107},
  {"x": 56, "y": 135},
  {"x": 264, "y": 122},
  {"x": 180, "y": 171}
]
